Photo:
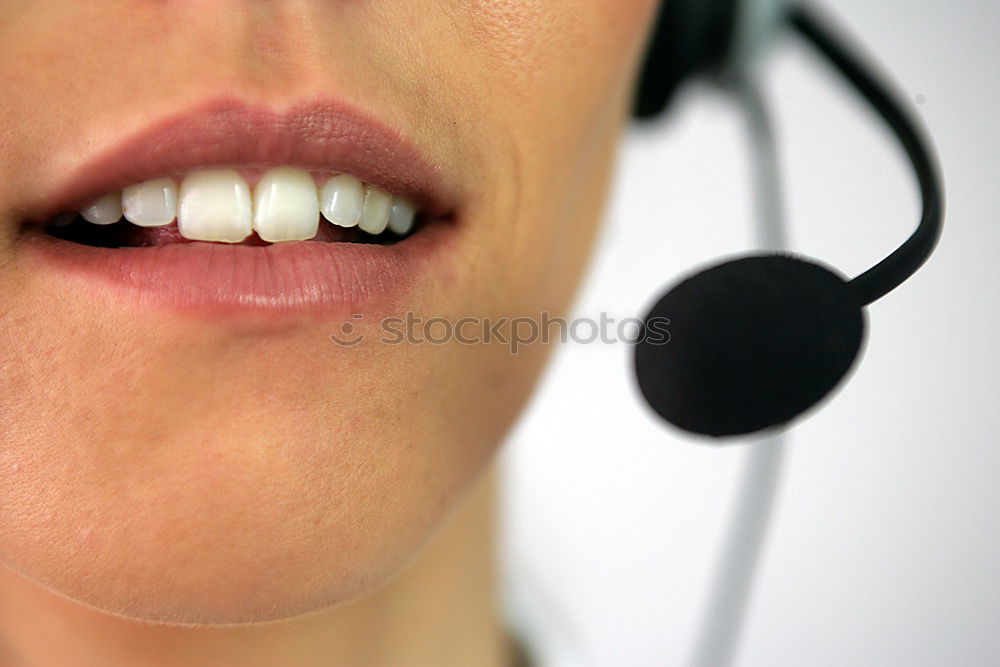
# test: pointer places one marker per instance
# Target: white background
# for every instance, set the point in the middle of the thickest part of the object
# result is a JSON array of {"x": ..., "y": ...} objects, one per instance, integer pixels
[{"x": 885, "y": 544}]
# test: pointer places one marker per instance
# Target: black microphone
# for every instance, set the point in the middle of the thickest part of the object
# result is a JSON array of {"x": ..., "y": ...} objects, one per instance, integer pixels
[{"x": 755, "y": 342}]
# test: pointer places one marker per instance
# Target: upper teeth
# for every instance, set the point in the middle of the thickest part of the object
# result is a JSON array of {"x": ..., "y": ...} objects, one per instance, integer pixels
[{"x": 285, "y": 205}]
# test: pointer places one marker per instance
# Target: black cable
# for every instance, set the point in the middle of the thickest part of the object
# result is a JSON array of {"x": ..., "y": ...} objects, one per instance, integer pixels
[{"x": 903, "y": 262}]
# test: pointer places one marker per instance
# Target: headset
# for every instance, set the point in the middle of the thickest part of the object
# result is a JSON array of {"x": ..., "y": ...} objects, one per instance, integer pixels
[{"x": 757, "y": 341}]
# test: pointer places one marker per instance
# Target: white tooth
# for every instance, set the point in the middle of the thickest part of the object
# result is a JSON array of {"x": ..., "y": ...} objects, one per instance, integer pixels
[
  {"x": 401, "y": 216},
  {"x": 214, "y": 205},
  {"x": 150, "y": 204},
  {"x": 285, "y": 206},
  {"x": 62, "y": 219},
  {"x": 375, "y": 215},
  {"x": 105, "y": 211},
  {"x": 342, "y": 199}
]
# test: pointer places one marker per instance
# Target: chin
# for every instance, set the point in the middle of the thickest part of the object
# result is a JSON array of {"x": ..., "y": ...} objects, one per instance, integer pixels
[{"x": 280, "y": 496}]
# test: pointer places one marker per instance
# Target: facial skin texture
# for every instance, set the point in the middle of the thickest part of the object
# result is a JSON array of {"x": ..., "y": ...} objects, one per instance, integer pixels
[{"x": 171, "y": 469}]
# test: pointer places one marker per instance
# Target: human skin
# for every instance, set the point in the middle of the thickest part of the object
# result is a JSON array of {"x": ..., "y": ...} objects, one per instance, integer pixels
[{"x": 165, "y": 468}]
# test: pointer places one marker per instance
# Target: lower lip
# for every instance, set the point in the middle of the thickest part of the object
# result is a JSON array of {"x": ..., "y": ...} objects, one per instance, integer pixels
[{"x": 305, "y": 278}]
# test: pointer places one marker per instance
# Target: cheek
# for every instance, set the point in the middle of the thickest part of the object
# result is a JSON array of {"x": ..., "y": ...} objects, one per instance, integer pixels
[
  {"x": 549, "y": 45},
  {"x": 565, "y": 68}
]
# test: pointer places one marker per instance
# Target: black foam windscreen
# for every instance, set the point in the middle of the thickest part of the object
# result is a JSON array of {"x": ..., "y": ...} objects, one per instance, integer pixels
[
  {"x": 690, "y": 36},
  {"x": 749, "y": 344}
]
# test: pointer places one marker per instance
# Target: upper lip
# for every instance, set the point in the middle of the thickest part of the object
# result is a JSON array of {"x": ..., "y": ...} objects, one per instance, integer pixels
[{"x": 322, "y": 135}]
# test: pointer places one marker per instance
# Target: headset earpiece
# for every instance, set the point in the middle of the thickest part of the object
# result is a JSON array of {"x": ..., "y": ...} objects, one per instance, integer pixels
[
  {"x": 690, "y": 37},
  {"x": 695, "y": 37}
]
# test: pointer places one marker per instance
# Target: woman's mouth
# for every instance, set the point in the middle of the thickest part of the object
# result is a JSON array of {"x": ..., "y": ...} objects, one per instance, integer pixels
[{"x": 231, "y": 209}]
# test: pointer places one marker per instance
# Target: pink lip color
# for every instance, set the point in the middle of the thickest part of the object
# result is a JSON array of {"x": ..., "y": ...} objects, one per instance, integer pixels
[
  {"x": 213, "y": 279},
  {"x": 299, "y": 277},
  {"x": 322, "y": 136}
]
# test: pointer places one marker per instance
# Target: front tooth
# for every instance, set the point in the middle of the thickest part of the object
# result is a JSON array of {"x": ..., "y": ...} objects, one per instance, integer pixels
[
  {"x": 150, "y": 204},
  {"x": 401, "y": 216},
  {"x": 105, "y": 211},
  {"x": 214, "y": 205},
  {"x": 375, "y": 215},
  {"x": 342, "y": 199},
  {"x": 285, "y": 206}
]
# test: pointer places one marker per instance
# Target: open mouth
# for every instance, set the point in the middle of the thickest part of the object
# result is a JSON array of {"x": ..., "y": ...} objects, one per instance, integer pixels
[
  {"x": 228, "y": 207},
  {"x": 219, "y": 205}
]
